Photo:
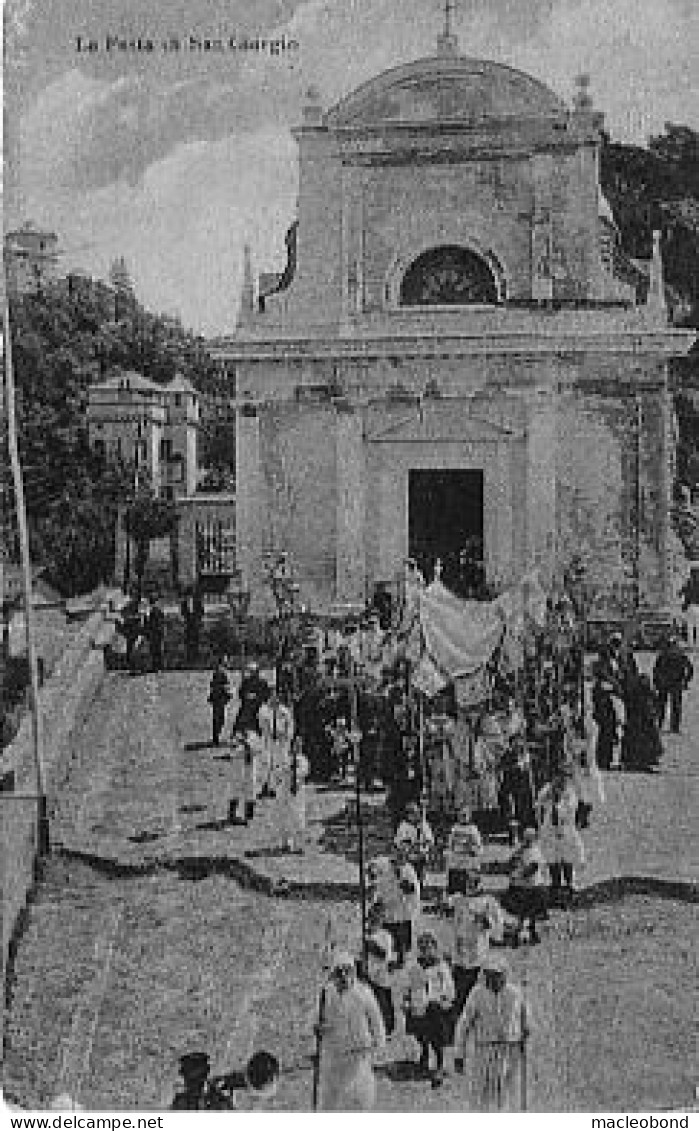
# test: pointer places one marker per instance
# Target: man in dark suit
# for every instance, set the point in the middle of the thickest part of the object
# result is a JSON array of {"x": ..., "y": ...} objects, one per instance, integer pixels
[{"x": 672, "y": 676}]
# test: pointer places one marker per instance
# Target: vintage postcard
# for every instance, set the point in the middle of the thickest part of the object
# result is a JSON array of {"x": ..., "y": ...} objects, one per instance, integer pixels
[{"x": 349, "y": 696}]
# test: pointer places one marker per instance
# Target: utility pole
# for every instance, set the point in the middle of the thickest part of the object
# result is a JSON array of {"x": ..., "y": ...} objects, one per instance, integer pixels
[{"x": 18, "y": 484}]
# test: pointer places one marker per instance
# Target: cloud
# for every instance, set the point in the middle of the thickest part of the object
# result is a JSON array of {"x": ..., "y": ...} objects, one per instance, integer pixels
[
  {"x": 642, "y": 56},
  {"x": 183, "y": 227}
]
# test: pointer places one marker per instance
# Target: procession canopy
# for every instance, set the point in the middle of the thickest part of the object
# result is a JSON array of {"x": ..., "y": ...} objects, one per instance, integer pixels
[
  {"x": 460, "y": 635},
  {"x": 452, "y": 640}
]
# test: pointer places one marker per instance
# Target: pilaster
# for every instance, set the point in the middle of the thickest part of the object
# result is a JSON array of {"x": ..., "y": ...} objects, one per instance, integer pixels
[
  {"x": 350, "y": 565},
  {"x": 250, "y": 504}
]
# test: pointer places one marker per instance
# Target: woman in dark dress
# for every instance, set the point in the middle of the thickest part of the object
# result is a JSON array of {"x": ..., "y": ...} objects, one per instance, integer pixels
[
  {"x": 641, "y": 746},
  {"x": 604, "y": 714}
]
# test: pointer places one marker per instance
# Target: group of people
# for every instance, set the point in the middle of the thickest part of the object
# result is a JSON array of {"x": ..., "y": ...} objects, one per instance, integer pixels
[
  {"x": 270, "y": 756},
  {"x": 630, "y": 708},
  {"x": 457, "y": 996},
  {"x": 143, "y": 622}
]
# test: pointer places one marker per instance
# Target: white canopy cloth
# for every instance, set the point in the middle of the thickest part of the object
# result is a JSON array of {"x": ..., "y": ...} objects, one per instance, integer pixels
[{"x": 453, "y": 639}]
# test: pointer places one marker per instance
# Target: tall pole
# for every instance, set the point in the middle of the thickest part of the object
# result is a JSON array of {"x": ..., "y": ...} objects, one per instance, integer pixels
[
  {"x": 638, "y": 422},
  {"x": 523, "y": 1046},
  {"x": 18, "y": 484},
  {"x": 360, "y": 820}
]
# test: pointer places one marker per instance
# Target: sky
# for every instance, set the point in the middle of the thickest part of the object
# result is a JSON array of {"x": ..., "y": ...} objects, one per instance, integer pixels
[{"x": 175, "y": 159}]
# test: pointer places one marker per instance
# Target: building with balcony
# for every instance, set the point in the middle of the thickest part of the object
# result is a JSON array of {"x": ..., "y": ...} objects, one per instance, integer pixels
[{"x": 149, "y": 427}]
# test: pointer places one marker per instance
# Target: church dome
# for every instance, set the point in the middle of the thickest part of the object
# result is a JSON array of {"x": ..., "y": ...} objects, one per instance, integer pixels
[{"x": 445, "y": 87}]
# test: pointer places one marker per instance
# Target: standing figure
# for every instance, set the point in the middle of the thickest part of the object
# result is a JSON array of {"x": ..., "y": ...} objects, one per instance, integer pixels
[
  {"x": 247, "y": 751},
  {"x": 155, "y": 628},
  {"x": 416, "y": 839},
  {"x": 398, "y": 894},
  {"x": 478, "y": 919},
  {"x": 560, "y": 840},
  {"x": 641, "y": 745},
  {"x": 691, "y": 620},
  {"x": 380, "y": 958},
  {"x": 252, "y": 693},
  {"x": 490, "y": 1037},
  {"x": 219, "y": 696},
  {"x": 463, "y": 855},
  {"x": 587, "y": 780},
  {"x": 192, "y": 609},
  {"x": 131, "y": 628},
  {"x": 349, "y": 1030},
  {"x": 291, "y": 798},
  {"x": 672, "y": 675},
  {"x": 429, "y": 998},
  {"x": 276, "y": 725},
  {"x": 605, "y": 716},
  {"x": 516, "y": 795},
  {"x": 526, "y": 896}
]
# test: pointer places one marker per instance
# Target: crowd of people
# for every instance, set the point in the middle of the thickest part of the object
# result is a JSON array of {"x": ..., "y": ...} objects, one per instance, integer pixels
[{"x": 522, "y": 761}]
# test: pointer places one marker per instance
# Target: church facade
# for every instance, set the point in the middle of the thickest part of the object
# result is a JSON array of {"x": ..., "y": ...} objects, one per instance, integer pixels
[{"x": 449, "y": 365}]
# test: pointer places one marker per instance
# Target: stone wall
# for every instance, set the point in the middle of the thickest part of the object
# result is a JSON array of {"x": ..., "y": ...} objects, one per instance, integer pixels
[
  {"x": 298, "y": 460},
  {"x": 476, "y": 205},
  {"x": 610, "y": 469},
  {"x": 64, "y": 701}
]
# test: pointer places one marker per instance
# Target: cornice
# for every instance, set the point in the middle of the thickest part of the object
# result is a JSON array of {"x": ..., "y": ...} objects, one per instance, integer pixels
[{"x": 534, "y": 343}]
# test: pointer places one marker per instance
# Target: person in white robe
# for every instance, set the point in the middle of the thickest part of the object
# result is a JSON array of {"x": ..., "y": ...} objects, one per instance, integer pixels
[
  {"x": 291, "y": 798},
  {"x": 489, "y": 1041},
  {"x": 276, "y": 723},
  {"x": 559, "y": 839},
  {"x": 350, "y": 1030}
]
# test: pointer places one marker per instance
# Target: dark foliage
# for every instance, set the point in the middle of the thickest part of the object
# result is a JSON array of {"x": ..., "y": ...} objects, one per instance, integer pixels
[{"x": 63, "y": 341}]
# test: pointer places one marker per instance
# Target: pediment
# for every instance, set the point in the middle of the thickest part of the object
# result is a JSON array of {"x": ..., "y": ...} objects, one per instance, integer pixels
[{"x": 441, "y": 422}]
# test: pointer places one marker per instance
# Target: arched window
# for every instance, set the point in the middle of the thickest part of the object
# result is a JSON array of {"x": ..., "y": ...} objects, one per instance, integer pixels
[{"x": 448, "y": 276}]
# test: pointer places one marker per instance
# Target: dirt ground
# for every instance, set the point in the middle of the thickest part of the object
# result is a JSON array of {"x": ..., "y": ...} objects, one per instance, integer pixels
[{"x": 116, "y": 977}]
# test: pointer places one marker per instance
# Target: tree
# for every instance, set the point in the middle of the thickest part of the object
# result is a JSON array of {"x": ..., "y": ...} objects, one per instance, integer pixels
[
  {"x": 147, "y": 518},
  {"x": 63, "y": 341}
]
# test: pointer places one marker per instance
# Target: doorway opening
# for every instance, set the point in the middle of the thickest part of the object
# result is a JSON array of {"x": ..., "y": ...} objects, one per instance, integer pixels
[{"x": 445, "y": 522}]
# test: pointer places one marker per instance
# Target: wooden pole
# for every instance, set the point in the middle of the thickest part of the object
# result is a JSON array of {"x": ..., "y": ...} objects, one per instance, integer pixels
[
  {"x": 18, "y": 484},
  {"x": 320, "y": 1021},
  {"x": 523, "y": 1053},
  {"x": 360, "y": 820}
]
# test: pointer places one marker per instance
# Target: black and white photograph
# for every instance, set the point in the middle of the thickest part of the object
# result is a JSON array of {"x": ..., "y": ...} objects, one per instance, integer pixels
[{"x": 349, "y": 562}]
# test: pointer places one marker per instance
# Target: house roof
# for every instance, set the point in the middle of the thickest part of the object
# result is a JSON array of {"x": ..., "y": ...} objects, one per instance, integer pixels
[
  {"x": 180, "y": 384},
  {"x": 134, "y": 381}
]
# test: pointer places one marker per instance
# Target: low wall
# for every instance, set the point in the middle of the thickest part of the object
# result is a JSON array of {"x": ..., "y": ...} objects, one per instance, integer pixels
[{"x": 64, "y": 701}]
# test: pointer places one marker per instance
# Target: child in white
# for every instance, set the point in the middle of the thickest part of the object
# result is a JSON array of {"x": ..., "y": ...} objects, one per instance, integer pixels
[{"x": 463, "y": 855}]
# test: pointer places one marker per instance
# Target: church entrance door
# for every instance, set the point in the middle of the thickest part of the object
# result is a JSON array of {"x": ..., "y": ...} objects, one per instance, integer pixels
[{"x": 445, "y": 521}]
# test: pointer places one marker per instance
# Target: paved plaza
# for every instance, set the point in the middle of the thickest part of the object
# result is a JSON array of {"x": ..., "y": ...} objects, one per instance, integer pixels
[{"x": 159, "y": 927}]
